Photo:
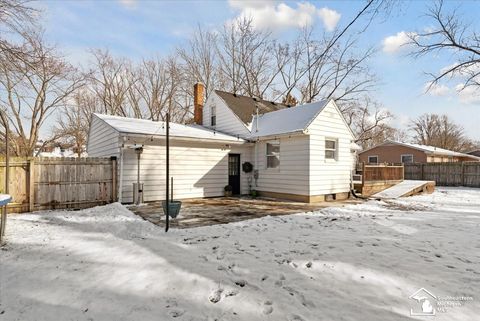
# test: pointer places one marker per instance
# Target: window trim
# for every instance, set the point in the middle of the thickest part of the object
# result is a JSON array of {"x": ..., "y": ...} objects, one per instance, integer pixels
[
  {"x": 401, "y": 158},
  {"x": 335, "y": 150},
  {"x": 368, "y": 159},
  {"x": 273, "y": 142}
]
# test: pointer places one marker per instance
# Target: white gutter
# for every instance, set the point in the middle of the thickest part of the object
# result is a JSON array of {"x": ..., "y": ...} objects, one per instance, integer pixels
[
  {"x": 147, "y": 138},
  {"x": 299, "y": 132}
]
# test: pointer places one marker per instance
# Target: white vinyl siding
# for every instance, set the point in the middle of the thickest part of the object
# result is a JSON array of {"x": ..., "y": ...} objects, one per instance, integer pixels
[
  {"x": 327, "y": 176},
  {"x": 103, "y": 140},
  {"x": 291, "y": 176},
  {"x": 197, "y": 171},
  {"x": 226, "y": 121}
]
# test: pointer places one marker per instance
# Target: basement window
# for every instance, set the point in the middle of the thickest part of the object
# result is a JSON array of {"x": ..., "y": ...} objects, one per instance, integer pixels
[
  {"x": 331, "y": 148},
  {"x": 273, "y": 154},
  {"x": 213, "y": 116},
  {"x": 406, "y": 159}
]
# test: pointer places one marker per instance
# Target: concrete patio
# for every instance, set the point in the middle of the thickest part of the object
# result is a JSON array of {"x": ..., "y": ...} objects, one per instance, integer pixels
[{"x": 223, "y": 210}]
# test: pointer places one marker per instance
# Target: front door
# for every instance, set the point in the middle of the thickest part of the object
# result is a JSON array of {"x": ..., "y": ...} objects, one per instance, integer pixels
[{"x": 234, "y": 172}]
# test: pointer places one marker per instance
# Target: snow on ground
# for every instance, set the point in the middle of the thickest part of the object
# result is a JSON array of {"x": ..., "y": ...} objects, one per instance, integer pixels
[{"x": 359, "y": 262}]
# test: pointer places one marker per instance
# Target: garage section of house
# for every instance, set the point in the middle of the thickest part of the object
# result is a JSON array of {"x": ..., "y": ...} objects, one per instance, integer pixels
[{"x": 302, "y": 153}]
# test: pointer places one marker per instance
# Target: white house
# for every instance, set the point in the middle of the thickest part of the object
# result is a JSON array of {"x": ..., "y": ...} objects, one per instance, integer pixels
[{"x": 302, "y": 153}]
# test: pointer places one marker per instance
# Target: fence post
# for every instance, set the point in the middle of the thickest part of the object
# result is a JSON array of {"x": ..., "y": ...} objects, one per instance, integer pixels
[
  {"x": 422, "y": 172},
  {"x": 31, "y": 184},
  {"x": 463, "y": 175},
  {"x": 114, "y": 178},
  {"x": 363, "y": 173}
]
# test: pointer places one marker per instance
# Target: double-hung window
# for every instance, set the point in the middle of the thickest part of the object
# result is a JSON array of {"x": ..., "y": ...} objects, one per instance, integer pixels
[
  {"x": 331, "y": 146},
  {"x": 273, "y": 154}
]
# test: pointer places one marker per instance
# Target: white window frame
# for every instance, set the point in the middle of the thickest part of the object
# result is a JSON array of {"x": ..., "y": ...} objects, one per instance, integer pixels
[
  {"x": 213, "y": 116},
  {"x": 273, "y": 142},
  {"x": 401, "y": 158},
  {"x": 335, "y": 150},
  {"x": 368, "y": 159}
]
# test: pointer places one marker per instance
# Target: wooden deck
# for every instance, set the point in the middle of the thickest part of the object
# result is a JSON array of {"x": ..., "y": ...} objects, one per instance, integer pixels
[{"x": 223, "y": 210}]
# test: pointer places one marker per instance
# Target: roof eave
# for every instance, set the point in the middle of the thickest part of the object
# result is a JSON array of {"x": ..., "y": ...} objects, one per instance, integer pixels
[{"x": 147, "y": 138}]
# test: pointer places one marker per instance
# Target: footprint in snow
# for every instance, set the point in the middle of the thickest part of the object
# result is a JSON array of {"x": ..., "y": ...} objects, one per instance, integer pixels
[
  {"x": 295, "y": 317},
  {"x": 267, "y": 307},
  {"x": 240, "y": 283},
  {"x": 176, "y": 313},
  {"x": 215, "y": 296}
]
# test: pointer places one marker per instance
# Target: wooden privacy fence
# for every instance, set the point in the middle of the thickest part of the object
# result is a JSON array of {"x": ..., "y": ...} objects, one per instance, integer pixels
[
  {"x": 382, "y": 172},
  {"x": 55, "y": 183},
  {"x": 446, "y": 174}
]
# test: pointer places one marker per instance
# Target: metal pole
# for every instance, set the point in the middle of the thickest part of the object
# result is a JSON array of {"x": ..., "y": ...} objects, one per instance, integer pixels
[
  {"x": 137, "y": 201},
  {"x": 167, "y": 173},
  {"x": 3, "y": 216}
]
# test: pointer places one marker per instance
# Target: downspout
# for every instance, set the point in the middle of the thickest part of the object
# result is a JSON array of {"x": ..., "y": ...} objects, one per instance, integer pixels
[{"x": 120, "y": 180}]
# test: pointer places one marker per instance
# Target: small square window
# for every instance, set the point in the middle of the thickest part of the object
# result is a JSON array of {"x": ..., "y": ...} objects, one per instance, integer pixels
[
  {"x": 407, "y": 159},
  {"x": 273, "y": 154},
  {"x": 373, "y": 159}
]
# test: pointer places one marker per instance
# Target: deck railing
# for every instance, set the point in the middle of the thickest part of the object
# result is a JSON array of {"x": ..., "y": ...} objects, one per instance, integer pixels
[{"x": 382, "y": 172}]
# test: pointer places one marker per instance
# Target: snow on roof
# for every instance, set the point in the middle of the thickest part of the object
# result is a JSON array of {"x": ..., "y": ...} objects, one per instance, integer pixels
[
  {"x": 127, "y": 125},
  {"x": 288, "y": 120},
  {"x": 433, "y": 149}
]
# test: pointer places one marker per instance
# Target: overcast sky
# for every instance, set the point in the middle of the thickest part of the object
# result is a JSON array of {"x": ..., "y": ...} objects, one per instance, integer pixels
[{"x": 137, "y": 29}]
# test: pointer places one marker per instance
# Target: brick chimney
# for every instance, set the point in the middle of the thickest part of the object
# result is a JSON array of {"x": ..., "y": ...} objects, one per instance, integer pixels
[{"x": 198, "y": 90}]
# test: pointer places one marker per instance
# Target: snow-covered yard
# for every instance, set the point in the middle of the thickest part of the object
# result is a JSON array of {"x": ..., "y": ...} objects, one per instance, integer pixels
[{"x": 359, "y": 262}]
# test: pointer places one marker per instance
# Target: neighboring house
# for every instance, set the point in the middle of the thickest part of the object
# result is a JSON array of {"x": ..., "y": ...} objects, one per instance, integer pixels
[
  {"x": 57, "y": 150},
  {"x": 397, "y": 152},
  {"x": 475, "y": 152},
  {"x": 300, "y": 153}
]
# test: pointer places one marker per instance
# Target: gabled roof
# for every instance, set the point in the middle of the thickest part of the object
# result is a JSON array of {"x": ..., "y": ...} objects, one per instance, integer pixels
[
  {"x": 136, "y": 126},
  {"x": 289, "y": 120},
  {"x": 431, "y": 150},
  {"x": 245, "y": 107},
  {"x": 475, "y": 152}
]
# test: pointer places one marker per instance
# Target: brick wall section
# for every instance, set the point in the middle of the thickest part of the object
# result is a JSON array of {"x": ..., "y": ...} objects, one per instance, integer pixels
[{"x": 392, "y": 154}]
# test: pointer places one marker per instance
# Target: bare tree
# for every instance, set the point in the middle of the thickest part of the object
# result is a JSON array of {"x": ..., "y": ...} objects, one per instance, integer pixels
[
  {"x": 111, "y": 79},
  {"x": 74, "y": 121},
  {"x": 369, "y": 122},
  {"x": 369, "y": 11},
  {"x": 439, "y": 131},
  {"x": 246, "y": 61},
  {"x": 17, "y": 20},
  {"x": 34, "y": 90},
  {"x": 453, "y": 35},
  {"x": 159, "y": 87},
  {"x": 199, "y": 60},
  {"x": 342, "y": 74}
]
